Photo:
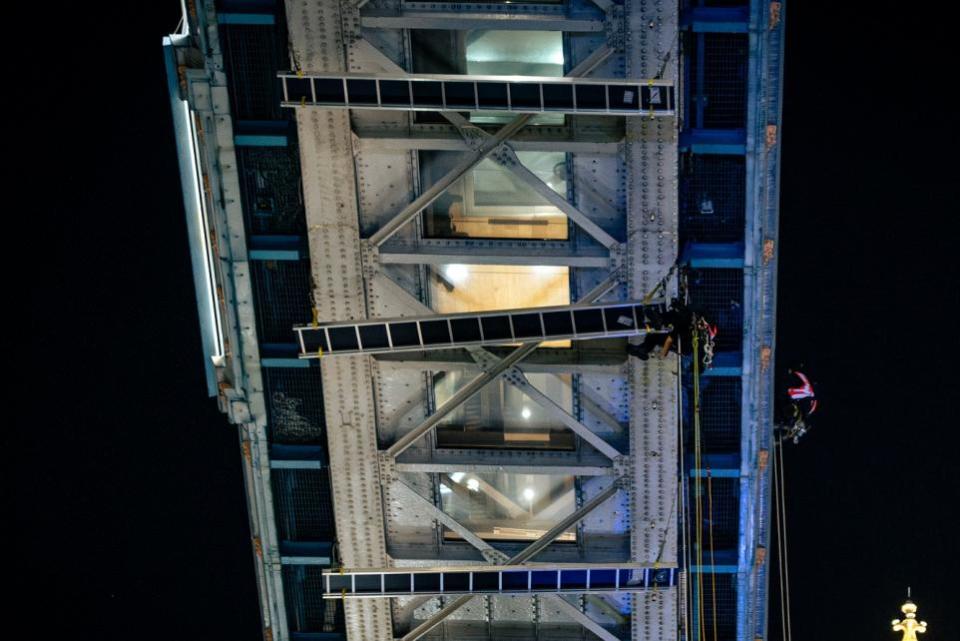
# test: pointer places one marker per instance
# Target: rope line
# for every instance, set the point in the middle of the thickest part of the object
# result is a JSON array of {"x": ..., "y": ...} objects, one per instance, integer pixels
[
  {"x": 698, "y": 485},
  {"x": 713, "y": 572}
]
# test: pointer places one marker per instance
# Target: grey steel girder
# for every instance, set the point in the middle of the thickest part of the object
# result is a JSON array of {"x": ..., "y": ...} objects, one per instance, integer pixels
[
  {"x": 440, "y": 252},
  {"x": 464, "y": 21}
]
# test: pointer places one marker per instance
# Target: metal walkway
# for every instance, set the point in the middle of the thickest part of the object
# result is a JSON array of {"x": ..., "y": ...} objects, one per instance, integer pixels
[
  {"x": 504, "y": 327},
  {"x": 492, "y": 579},
  {"x": 518, "y": 94}
]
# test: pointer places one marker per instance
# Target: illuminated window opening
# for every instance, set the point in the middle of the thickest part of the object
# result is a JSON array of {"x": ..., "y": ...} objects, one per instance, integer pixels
[
  {"x": 491, "y": 202},
  {"x": 501, "y": 417},
  {"x": 507, "y": 506}
]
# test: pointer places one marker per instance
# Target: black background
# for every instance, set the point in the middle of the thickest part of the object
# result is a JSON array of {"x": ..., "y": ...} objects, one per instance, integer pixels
[{"x": 128, "y": 515}]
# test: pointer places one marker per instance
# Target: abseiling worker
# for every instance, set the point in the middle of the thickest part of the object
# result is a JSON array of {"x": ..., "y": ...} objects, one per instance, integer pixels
[
  {"x": 801, "y": 405},
  {"x": 682, "y": 321}
]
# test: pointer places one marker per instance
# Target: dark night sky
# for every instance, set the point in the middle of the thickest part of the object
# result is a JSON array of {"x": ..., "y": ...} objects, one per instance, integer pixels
[{"x": 128, "y": 509}]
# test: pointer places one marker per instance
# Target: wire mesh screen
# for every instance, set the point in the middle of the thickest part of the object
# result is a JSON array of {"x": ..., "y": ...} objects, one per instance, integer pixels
[
  {"x": 295, "y": 405},
  {"x": 720, "y": 403},
  {"x": 719, "y": 89},
  {"x": 723, "y": 496},
  {"x": 712, "y": 198},
  {"x": 725, "y": 80},
  {"x": 719, "y": 294},
  {"x": 282, "y": 293},
  {"x": 307, "y": 611},
  {"x": 270, "y": 189},
  {"x": 302, "y": 505},
  {"x": 252, "y": 56},
  {"x": 720, "y": 606}
]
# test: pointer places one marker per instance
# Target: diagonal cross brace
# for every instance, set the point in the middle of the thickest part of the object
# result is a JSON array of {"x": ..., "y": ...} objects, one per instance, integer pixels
[
  {"x": 524, "y": 555},
  {"x": 517, "y": 378},
  {"x": 507, "y": 158},
  {"x": 485, "y": 378},
  {"x": 473, "y": 159}
]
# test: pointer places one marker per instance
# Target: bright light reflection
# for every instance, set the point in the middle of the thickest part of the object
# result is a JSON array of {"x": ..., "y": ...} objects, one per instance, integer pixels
[
  {"x": 473, "y": 485},
  {"x": 528, "y": 493},
  {"x": 456, "y": 477},
  {"x": 445, "y": 490},
  {"x": 525, "y": 412},
  {"x": 456, "y": 273}
]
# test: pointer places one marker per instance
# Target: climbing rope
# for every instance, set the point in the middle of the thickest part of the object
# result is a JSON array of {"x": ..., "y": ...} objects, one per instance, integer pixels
[
  {"x": 780, "y": 519},
  {"x": 698, "y": 489},
  {"x": 713, "y": 565},
  {"x": 780, "y": 524}
]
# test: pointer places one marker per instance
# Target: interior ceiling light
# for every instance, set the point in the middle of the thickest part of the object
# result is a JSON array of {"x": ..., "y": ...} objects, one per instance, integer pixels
[
  {"x": 528, "y": 493},
  {"x": 525, "y": 412},
  {"x": 456, "y": 273},
  {"x": 473, "y": 485}
]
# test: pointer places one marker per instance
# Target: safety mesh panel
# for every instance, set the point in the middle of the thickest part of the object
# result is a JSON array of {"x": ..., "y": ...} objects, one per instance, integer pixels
[
  {"x": 725, "y": 80},
  {"x": 719, "y": 294},
  {"x": 721, "y": 590},
  {"x": 270, "y": 189},
  {"x": 712, "y": 198},
  {"x": 721, "y": 93},
  {"x": 295, "y": 405},
  {"x": 723, "y": 494},
  {"x": 302, "y": 505},
  {"x": 307, "y": 611},
  {"x": 252, "y": 56},
  {"x": 282, "y": 294},
  {"x": 720, "y": 402}
]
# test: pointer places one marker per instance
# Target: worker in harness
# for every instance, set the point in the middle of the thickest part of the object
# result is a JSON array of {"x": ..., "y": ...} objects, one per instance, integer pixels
[
  {"x": 802, "y": 403},
  {"x": 682, "y": 321}
]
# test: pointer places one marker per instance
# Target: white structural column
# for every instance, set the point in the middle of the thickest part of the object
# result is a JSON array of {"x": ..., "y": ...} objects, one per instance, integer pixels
[
  {"x": 651, "y": 160},
  {"x": 333, "y": 232}
]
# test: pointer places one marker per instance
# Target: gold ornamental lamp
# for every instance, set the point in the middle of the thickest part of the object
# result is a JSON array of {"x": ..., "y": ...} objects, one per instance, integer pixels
[{"x": 909, "y": 624}]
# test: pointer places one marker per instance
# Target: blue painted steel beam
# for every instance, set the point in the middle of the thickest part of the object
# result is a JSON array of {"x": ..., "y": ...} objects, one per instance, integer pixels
[
  {"x": 276, "y": 247},
  {"x": 306, "y": 553},
  {"x": 260, "y": 140},
  {"x": 279, "y": 353},
  {"x": 726, "y": 364},
  {"x": 274, "y": 361},
  {"x": 724, "y": 562},
  {"x": 716, "y": 255},
  {"x": 246, "y": 18},
  {"x": 297, "y": 457},
  {"x": 716, "y": 466},
  {"x": 261, "y": 133},
  {"x": 727, "y": 142},
  {"x": 716, "y": 19},
  {"x": 714, "y": 569}
]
